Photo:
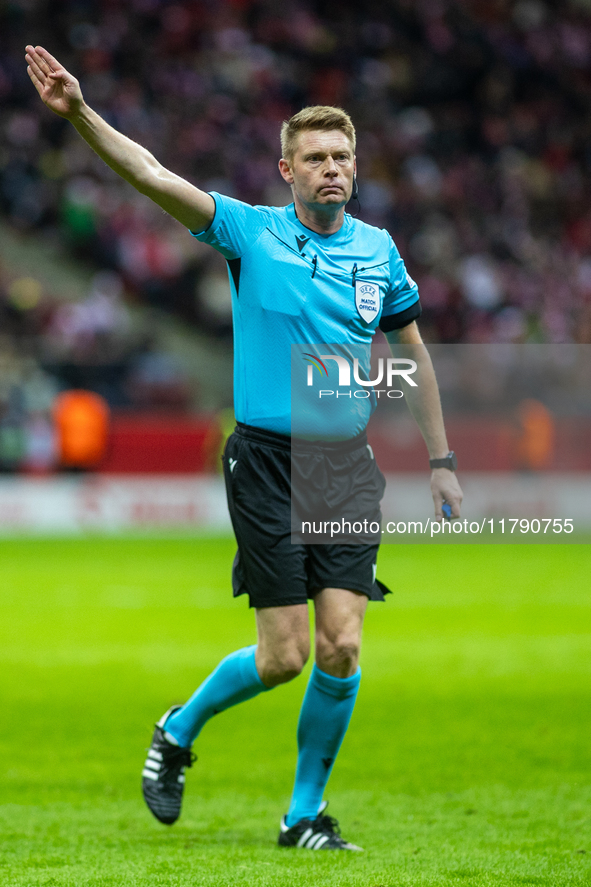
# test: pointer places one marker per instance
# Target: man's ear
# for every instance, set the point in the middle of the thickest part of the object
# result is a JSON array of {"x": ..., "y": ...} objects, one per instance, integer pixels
[{"x": 285, "y": 170}]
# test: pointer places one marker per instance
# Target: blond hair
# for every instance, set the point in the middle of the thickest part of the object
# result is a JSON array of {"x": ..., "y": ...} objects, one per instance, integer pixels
[{"x": 314, "y": 117}]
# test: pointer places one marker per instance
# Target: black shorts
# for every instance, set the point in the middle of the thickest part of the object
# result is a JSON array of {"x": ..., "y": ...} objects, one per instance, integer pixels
[{"x": 269, "y": 567}]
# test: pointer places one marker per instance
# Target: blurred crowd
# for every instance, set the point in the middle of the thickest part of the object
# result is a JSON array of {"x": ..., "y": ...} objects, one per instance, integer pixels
[
  {"x": 49, "y": 345},
  {"x": 473, "y": 130}
]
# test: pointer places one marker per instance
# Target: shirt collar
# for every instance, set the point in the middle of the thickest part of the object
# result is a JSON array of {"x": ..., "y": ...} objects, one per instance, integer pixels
[{"x": 337, "y": 237}]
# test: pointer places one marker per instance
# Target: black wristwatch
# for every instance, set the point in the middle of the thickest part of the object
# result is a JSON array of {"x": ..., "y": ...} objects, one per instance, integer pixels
[{"x": 450, "y": 461}]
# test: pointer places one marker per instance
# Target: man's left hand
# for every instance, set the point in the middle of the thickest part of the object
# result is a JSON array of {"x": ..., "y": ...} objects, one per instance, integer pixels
[{"x": 445, "y": 488}]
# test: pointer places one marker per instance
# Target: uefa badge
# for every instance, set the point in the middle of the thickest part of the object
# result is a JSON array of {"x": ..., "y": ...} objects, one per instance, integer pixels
[{"x": 367, "y": 300}]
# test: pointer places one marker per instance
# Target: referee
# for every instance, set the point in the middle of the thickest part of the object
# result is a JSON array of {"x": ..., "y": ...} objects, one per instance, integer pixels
[{"x": 296, "y": 274}]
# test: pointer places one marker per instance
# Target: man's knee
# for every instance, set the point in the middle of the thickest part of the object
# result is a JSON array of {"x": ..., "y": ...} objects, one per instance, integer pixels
[
  {"x": 284, "y": 643},
  {"x": 338, "y": 655},
  {"x": 280, "y": 666}
]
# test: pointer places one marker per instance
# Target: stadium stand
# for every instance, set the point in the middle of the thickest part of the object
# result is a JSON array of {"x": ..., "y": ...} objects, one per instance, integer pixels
[
  {"x": 473, "y": 151},
  {"x": 473, "y": 141}
]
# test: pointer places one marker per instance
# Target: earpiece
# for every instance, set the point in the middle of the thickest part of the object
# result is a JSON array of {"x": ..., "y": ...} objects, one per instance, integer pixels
[{"x": 355, "y": 191}]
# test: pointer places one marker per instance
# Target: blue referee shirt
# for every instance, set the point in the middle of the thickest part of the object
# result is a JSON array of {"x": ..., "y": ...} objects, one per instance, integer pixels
[{"x": 291, "y": 286}]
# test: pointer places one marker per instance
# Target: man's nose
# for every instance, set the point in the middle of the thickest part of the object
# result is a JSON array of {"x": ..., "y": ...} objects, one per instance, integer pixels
[{"x": 331, "y": 168}]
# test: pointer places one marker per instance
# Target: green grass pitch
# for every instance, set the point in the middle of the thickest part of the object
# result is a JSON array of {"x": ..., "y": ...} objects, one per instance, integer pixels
[{"x": 467, "y": 762}]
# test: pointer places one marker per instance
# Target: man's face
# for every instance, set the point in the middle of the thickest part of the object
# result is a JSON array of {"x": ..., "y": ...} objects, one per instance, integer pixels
[{"x": 322, "y": 168}]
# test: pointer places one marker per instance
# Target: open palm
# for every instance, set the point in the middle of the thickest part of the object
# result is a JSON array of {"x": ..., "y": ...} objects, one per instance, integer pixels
[{"x": 57, "y": 88}]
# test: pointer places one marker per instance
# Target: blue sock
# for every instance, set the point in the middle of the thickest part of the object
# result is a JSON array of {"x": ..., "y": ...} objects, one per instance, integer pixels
[
  {"x": 235, "y": 680},
  {"x": 324, "y": 718}
]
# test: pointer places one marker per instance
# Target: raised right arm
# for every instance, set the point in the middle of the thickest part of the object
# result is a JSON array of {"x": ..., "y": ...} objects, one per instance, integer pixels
[{"x": 61, "y": 93}]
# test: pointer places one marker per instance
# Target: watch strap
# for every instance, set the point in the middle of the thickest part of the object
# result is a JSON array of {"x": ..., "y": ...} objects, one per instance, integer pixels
[{"x": 450, "y": 462}]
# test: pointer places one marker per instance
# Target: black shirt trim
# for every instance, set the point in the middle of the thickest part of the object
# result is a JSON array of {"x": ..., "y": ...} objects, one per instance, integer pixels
[
  {"x": 402, "y": 319},
  {"x": 234, "y": 266}
]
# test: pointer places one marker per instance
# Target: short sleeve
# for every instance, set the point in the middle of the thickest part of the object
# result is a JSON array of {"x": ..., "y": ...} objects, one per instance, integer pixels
[
  {"x": 401, "y": 302},
  {"x": 235, "y": 226}
]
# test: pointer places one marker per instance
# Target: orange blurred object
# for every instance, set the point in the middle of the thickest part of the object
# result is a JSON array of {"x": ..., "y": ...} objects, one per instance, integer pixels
[
  {"x": 82, "y": 424},
  {"x": 537, "y": 438}
]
